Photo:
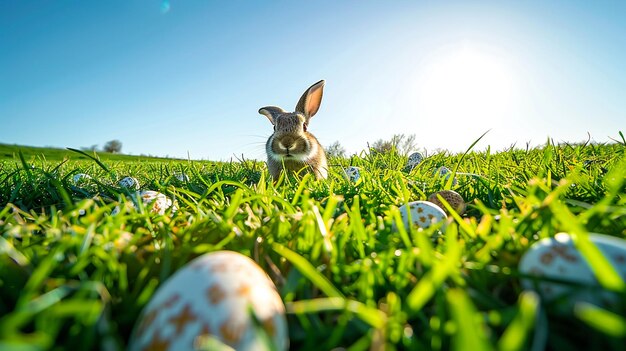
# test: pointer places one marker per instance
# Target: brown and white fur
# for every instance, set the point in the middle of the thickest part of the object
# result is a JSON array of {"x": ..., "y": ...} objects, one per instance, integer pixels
[{"x": 292, "y": 147}]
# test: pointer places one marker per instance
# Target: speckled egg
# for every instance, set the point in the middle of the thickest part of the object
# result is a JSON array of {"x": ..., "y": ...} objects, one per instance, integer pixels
[
  {"x": 212, "y": 298},
  {"x": 452, "y": 197},
  {"x": 423, "y": 214},
  {"x": 415, "y": 159},
  {"x": 129, "y": 183},
  {"x": 81, "y": 178},
  {"x": 558, "y": 258},
  {"x": 352, "y": 173}
]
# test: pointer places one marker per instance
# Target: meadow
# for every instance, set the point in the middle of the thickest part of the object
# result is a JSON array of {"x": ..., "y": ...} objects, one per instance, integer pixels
[{"x": 75, "y": 277}]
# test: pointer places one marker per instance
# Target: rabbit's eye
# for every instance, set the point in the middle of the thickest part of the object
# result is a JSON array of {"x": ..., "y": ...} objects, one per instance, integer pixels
[{"x": 304, "y": 126}]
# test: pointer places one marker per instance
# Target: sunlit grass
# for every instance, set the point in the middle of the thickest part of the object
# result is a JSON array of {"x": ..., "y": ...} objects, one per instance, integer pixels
[{"x": 73, "y": 276}]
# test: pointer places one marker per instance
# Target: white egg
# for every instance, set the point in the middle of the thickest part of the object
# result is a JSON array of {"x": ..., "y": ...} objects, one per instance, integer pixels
[
  {"x": 352, "y": 173},
  {"x": 81, "y": 178},
  {"x": 153, "y": 201},
  {"x": 156, "y": 201},
  {"x": 423, "y": 214},
  {"x": 181, "y": 177},
  {"x": 129, "y": 183},
  {"x": 212, "y": 298},
  {"x": 558, "y": 258},
  {"x": 415, "y": 159}
]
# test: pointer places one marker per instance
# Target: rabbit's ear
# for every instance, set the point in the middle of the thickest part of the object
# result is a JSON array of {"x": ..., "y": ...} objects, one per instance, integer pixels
[
  {"x": 271, "y": 112},
  {"x": 311, "y": 99}
]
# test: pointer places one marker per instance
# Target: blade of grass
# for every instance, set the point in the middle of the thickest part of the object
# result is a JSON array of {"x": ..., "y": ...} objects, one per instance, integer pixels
[
  {"x": 308, "y": 270},
  {"x": 600, "y": 319},
  {"x": 369, "y": 315},
  {"x": 26, "y": 167},
  {"x": 470, "y": 331},
  {"x": 456, "y": 167},
  {"x": 102, "y": 165},
  {"x": 605, "y": 272},
  {"x": 516, "y": 334}
]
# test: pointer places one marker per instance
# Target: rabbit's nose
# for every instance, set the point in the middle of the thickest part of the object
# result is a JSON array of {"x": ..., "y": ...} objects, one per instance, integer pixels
[{"x": 286, "y": 144}]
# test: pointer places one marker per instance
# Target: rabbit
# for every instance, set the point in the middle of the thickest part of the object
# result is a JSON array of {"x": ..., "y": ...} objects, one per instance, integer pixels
[{"x": 291, "y": 146}]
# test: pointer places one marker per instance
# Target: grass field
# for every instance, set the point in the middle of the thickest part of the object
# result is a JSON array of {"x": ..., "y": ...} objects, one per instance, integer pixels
[{"x": 75, "y": 277}]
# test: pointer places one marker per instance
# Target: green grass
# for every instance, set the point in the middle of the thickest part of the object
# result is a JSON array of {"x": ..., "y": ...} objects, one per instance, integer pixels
[
  {"x": 54, "y": 154},
  {"x": 73, "y": 277}
]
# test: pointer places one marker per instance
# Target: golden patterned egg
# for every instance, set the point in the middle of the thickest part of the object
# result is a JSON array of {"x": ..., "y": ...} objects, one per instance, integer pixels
[
  {"x": 156, "y": 202},
  {"x": 423, "y": 214},
  {"x": 211, "y": 300},
  {"x": 559, "y": 258},
  {"x": 152, "y": 201},
  {"x": 452, "y": 198}
]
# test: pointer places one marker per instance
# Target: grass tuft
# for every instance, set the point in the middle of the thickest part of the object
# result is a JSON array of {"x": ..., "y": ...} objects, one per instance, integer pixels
[{"x": 73, "y": 275}]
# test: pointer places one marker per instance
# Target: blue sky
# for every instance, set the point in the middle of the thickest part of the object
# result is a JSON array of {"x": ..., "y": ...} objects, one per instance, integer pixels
[{"x": 183, "y": 78}]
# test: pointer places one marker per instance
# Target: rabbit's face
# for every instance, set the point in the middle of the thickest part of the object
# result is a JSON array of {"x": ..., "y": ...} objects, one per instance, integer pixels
[
  {"x": 292, "y": 147},
  {"x": 289, "y": 140}
]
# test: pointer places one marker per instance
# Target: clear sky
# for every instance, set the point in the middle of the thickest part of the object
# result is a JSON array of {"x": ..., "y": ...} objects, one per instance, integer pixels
[{"x": 177, "y": 78}]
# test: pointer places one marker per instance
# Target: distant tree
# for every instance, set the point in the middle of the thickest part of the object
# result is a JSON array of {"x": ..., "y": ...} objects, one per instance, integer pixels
[
  {"x": 405, "y": 144},
  {"x": 400, "y": 143},
  {"x": 335, "y": 150},
  {"x": 382, "y": 146},
  {"x": 113, "y": 146}
]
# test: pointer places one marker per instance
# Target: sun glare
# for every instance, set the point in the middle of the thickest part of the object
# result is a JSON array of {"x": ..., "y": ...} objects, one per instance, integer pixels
[{"x": 467, "y": 85}]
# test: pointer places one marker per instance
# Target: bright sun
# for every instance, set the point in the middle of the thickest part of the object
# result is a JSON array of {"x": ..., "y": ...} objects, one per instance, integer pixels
[{"x": 467, "y": 85}]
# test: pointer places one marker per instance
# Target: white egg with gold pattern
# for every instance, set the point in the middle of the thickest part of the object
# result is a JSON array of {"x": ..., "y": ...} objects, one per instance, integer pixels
[
  {"x": 423, "y": 214},
  {"x": 559, "y": 258},
  {"x": 212, "y": 298},
  {"x": 156, "y": 202},
  {"x": 153, "y": 201}
]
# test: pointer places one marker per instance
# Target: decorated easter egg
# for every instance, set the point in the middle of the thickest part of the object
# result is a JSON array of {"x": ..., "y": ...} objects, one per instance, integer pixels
[
  {"x": 221, "y": 298},
  {"x": 558, "y": 258},
  {"x": 423, "y": 214},
  {"x": 153, "y": 201},
  {"x": 129, "y": 183},
  {"x": 81, "y": 178},
  {"x": 352, "y": 173},
  {"x": 415, "y": 159},
  {"x": 181, "y": 177},
  {"x": 446, "y": 173},
  {"x": 452, "y": 197}
]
